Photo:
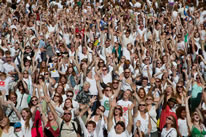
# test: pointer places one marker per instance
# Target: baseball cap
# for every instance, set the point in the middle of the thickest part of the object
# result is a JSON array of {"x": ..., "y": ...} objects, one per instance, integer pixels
[{"x": 17, "y": 125}]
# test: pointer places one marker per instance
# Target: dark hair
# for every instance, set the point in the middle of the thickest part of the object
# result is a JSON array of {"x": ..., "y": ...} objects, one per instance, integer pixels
[{"x": 91, "y": 123}]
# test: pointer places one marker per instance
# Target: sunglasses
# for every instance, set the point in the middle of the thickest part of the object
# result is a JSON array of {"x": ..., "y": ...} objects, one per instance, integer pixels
[
  {"x": 101, "y": 109},
  {"x": 108, "y": 90},
  {"x": 115, "y": 82},
  {"x": 34, "y": 100},
  {"x": 46, "y": 74},
  {"x": 69, "y": 95},
  {"x": 56, "y": 95},
  {"x": 126, "y": 72},
  {"x": 104, "y": 69},
  {"x": 142, "y": 105},
  {"x": 179, "y": 86},
  {"x": 148, "y": 98},
  {"x": 67, "y": 113},
  {"x": 169, "y": 118}
]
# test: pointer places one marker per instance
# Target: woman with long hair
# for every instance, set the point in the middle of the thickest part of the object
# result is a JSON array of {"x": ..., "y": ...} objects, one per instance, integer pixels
[
  {"x": 142, "y": 116},
  {"x": 152, "y": 112},
  {"x": 7, "y": 130},
  {"x": 195, "y": 122},
  {"x": 170, "y": 129},
  {"x": 22, "y": 93},
  {"x": 26, "y": 122},
  {"x": 51, "y": 128}
]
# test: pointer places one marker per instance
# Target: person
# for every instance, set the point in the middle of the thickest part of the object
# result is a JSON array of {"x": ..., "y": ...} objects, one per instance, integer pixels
[
  {"x": 170, "y": 129},
  {"x": 119, "y": 129},
  {"x": 51, "y": 127},
  {"x": 7, "y": 130},
  {"x": 67, "y": 126},
  {"x": 195, "y": 124},
  {"x": 18, "y": 130},
  {"x": 182, "y": 122},
  {"x": 143, "y": 117}
]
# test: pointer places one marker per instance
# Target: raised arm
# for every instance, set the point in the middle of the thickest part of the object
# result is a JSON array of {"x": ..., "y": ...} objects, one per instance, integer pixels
[
  {"x": 99, "y": 90},
  {"x": 189, "y": 121},
  {"x": 130, "y": 122},
  {"x": 111, "y": 114}
]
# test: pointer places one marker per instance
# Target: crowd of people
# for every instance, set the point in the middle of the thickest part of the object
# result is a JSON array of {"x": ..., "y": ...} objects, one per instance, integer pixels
[{"x": 102, "y": 68}]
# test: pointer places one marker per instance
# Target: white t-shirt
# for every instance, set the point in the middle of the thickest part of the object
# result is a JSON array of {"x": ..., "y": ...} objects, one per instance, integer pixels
[
  {"x": 112, "y": 133},
  {"x": 10, "y": 133},
  {"x": 93, "y": 88},
  {"x": 170, "y": 133},
  {"x": 26, "y": 131},
  {"x": 183, "y": 128},
  {"x": 8, "y": 68},
  {"x": 124, "y": 105},
  {"x": 4, "y": 84},
  {"x": 22, "y": 100}
]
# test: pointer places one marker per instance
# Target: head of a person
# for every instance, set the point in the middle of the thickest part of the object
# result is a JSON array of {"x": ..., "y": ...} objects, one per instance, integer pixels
[
  {"x": 60, "y": 89},
  {"x": 17, "y": 127},
  {"x": 63, "y": 79},
  {"x": 127, "y": 73},
  {"x": 149, "y": 99},
  {"x": 126, "y": 94},
  {"x": 181, "y": 112},
  {"x": 3, "y": 75},
  {"x": 127, "y": 33},
  {"x": 90, "y": 125},
  {"x": 68, "y": 103},
  {"x": 100, "y": 110},
  {"x": 34, "y": 101},
  {"x": 67, "y": 115},
  {"x": 5, "y": 122},
  {"x": 115, "y": 84},
  {"x": 86, "y": 86},
  {"x": 58, "y": 98},
  {"x": 147, "y": 61},
  {"x": 141, "y": 93},
  {"x": 171, "y": 102},
  {"x": 40, "y": 79},
  {"x": 158, "y": 82},
  {"x": 171, "y": 121},
  {"x": 69, "y": 94},
  {"x": 50, "y": 116},
  {"x": 169, "y": 90},
  {"x": 108, "y": 91},
  {"x": 119, "y": 127},
  {"x": 25, "y": 74},
  {"x": 26, "y": 114},
  {"x": 118, "y": 111},
  {"x": 142, "y": 107},
  {"x": 179, "y": 87},
  {"x": 195, "y": 117},
  {"x": 144, "y": 81},
  {"x": 104, "y": 70},
  {"x": 13, "y": 97},
  {"x": 159, "y": 63}
]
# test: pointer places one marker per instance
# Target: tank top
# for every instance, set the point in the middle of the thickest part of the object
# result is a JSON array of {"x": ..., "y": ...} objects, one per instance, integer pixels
[
  {"x": 55, "y": 133},
  {"x": 153, "y": 115},
  {"x": 197, "y": 133},
  {"x": 144, "y": 122}
]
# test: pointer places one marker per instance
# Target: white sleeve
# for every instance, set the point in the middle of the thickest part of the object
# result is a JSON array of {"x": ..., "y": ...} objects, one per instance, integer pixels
[
  {"x": 82, "y": 126},
  {"x": 174, "y": 133}
]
